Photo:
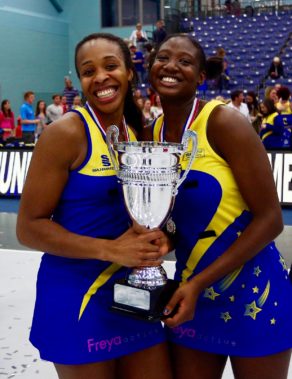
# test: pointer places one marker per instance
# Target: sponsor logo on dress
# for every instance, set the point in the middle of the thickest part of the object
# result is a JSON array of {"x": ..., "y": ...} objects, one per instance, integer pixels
[
  {"x": 109, "y": 344},
  {"x": 106, "y": 164}
]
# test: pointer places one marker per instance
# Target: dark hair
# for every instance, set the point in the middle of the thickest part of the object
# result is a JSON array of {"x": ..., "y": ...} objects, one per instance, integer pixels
[
  {"x": 133, "y": 114},
  {"x": 235, "y": 94},
  {"x": 37, "y": 108},
  {"x": 7, "y": 113},
  {"x": 283, "y": 93},
  {"x": 212, "y": 66},
  {"x": 270, "y": 105},
  {"x": 27, "y": 94},
  {"x": 220, "y": 52},
  {"x": 56, "y": 95},
  {"x": 254, "y": 103}
]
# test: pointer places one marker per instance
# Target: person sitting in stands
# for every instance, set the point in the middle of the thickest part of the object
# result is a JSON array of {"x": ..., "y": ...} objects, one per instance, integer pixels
[{"x": 276, "y": 69}]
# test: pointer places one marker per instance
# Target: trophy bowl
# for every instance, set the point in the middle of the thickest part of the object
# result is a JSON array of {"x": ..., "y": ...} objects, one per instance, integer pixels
[{"x": 150, "y": 174}]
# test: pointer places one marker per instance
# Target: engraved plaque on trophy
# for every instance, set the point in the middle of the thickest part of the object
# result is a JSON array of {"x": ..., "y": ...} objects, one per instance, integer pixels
[{"x": 149, "y": 173}]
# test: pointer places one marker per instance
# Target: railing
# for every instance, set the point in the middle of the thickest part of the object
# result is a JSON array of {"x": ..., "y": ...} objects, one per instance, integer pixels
[{"x": 250, "y": 8}]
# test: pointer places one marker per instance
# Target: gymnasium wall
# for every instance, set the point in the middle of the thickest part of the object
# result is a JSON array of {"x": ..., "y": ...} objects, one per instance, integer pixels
[
  {"x": 33, "y": 49},
  {"x": 37, "y": 45}
]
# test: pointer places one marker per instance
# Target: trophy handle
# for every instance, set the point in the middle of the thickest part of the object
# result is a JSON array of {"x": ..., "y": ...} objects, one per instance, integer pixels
[
  {"x": 188, "y": 135},
  {"x": 112, "y": 131}
]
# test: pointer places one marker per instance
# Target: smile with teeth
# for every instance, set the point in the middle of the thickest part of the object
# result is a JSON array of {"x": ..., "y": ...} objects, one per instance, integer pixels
[
  {"x": 105, "y": 93},
  {"x": 169, "y": 79}
]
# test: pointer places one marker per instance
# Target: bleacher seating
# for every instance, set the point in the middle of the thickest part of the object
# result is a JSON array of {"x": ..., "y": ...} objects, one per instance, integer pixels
[{"x": 250, "y": 44}]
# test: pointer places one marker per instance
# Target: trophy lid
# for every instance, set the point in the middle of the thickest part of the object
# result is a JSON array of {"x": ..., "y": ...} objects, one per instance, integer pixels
[{"x": 138, "y": 147}]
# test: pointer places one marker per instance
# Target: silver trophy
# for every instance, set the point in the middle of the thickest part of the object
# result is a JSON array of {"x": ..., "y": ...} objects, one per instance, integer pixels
[{"x": 149, "y": 173}]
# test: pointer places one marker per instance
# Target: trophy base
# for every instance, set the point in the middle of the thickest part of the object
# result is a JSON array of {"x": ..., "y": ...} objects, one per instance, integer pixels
[{"x": 140, "y": 303}]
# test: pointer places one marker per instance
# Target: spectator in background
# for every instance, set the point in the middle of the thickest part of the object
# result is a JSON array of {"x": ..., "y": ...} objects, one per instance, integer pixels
[
  {"x": 147, "y": 113},
  {"x": 272, "y": 134},
  {"x": 138, "y": 60},
  {"x": 237, "y": 103},
  {"x": 276, "y": 69},
  {"x": 40, "y": 113},
  {"x": 77, "y": 102},
  {"x": 64, "y": 104},
  {"x": 283, "y": 105},
  {"x": 222, "y": 82},
  {"x": 151, "y": 94},
  {"x": 236, "y": 7},
  {"x": 140, "y": 103},
  {"x": 228, "y": 6},
  {"x": 271, "y": 93},
  {"x": 140, "y": 42},
  {"x": 159, "y": 33},
  {"x": 137, "y": 94},
  {"x": 69, "y": 91},
  {"x": 156, "y": 109},
  {"x": 253, "y": 108},
  {"x": 148, "y": 48},
  {"x": 7, "y": 123},
  {"x": 27, "y": 118},
  {"x": 55, "y": 110},
  {"x": 268, "y": 112},
  {"x": 277, "y": 86},
  {"x": 138, "y": 36}
]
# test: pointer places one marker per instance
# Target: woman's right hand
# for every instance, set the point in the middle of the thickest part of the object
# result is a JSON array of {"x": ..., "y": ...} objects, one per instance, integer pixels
[{"x": 133, "y": 249}]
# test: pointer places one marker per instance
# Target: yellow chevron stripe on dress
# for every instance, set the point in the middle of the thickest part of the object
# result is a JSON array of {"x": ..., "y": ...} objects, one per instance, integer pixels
[{"x": 99, "y": 281}]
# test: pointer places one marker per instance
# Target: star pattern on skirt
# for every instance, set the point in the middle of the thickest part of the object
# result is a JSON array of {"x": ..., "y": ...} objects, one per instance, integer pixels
[
  {"x": 225, "y": 316},
  {"x": 257, "y": 271},
  {"x": 210, "y": 293},
  {"x": 252, "y": 310}
]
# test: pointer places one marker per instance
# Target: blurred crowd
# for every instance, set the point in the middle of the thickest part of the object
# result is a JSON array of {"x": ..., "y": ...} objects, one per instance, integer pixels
[{"x": 270, "y": 116}]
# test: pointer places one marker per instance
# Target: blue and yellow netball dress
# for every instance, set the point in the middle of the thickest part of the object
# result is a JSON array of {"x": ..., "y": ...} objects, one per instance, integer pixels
[
  {"x": 249, "y": 311},
  {"x": 72, "y": 323}
]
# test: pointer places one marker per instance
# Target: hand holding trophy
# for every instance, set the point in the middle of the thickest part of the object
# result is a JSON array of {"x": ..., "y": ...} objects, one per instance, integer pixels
[{"x": 149, "y": 173}]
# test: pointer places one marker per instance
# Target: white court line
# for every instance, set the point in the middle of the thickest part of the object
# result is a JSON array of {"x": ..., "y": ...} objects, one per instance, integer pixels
[{"x": 19, "y": 251}]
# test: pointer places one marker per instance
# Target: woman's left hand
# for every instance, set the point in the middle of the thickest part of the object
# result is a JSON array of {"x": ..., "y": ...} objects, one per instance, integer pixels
[{"x": 183, "y": 304}]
